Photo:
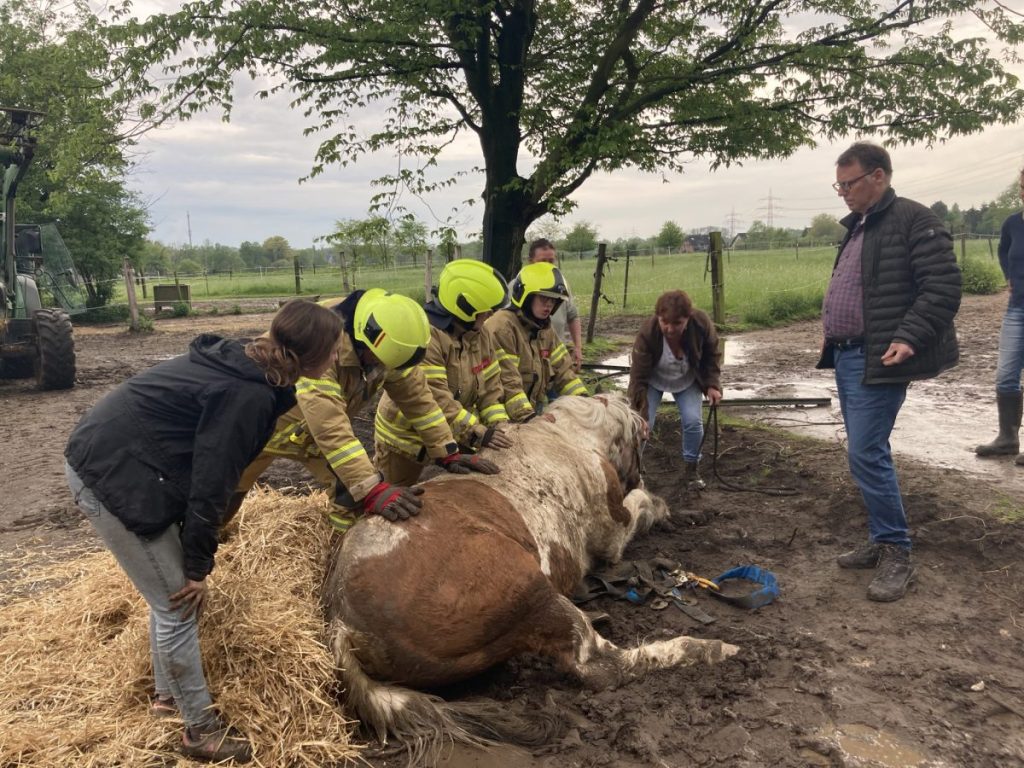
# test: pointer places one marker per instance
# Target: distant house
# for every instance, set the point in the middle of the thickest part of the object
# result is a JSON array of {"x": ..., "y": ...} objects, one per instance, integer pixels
[{"x": 696, "y": 243}]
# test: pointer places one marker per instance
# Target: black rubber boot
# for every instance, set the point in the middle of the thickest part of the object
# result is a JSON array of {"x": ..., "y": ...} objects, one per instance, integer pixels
[
  {"x": 691, "y": 477},
  {"x": 895, "y": 574},
  {"x": 1010, "y": 406}
]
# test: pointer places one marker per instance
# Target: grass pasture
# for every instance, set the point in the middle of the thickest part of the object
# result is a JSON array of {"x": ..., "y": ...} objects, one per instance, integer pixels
[{"x": 762, "y": 288}]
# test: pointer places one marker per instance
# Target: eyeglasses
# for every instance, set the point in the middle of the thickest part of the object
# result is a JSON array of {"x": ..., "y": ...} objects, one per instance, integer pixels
[{"x": 846, "y": 186}]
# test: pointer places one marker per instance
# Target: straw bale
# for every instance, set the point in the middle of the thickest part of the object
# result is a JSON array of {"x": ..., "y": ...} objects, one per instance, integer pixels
[{"x": 77, "y": 672}]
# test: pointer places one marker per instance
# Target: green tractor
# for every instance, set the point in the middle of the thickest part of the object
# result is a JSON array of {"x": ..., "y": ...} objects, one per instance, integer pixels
[{"x": 39, "y": 284}]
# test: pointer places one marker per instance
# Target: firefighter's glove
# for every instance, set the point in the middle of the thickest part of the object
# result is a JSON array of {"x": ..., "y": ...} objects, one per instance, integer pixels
[
  {"x": 463, "y": 464},
  {"x": 393, "y": 502},
  {"x": 495, "y": 438}
]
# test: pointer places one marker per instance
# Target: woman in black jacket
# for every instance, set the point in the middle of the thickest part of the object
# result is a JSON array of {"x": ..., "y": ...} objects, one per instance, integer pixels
[{"x": 153, "y": 465}]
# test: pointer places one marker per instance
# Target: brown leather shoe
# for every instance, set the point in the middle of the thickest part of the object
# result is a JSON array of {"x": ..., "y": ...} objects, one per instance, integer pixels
[
  {"x": 862, "y": 557},
  {"x": 216, "y": 742},
  {"x": 163, "y": 706},
  {"x": 895, "y": 574}
]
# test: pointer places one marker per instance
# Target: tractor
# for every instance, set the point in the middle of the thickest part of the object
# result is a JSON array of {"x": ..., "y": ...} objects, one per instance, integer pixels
[{"x": 39, "y": 282}]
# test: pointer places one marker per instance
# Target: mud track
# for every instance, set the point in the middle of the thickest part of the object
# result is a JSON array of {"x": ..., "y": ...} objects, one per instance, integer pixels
[{"x": 824, "y": 678}]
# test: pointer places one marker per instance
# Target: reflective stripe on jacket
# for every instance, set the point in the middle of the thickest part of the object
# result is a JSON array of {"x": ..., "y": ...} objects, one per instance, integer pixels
[
  {"x": 532, "y": 360},
  {"x": 463, "y": 374},
  {"x": 321, "y": 422}
]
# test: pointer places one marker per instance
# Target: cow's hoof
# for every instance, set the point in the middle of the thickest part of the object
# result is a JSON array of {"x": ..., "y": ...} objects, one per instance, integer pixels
[{"x": 729, "y": 650}]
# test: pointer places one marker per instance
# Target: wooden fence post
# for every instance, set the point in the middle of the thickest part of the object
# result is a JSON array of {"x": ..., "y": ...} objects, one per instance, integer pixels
[
  {"x": 596, "y": 296},
  {"x": 963, "y": 250},
  {"x": 298, "y": 278},
  {"x": 625, "y": 283},
  {"x": 717, "y": 285},
  {"x": 133, "y": 306},
  {"x": 428, "y": 278}
]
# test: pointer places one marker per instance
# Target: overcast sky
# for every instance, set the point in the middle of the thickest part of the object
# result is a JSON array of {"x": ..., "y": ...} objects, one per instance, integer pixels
[{"x": 238, "y": 181}]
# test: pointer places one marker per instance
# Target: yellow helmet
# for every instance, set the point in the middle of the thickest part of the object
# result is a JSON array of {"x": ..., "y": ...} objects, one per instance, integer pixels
[
  {"x": 541, "y": 278},
  {"x": 468, "y": 287},
  {"x": 394, "y": 327}
]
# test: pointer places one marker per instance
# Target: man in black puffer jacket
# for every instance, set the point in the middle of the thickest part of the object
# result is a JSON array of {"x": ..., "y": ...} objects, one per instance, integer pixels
[{"x": 888, "y": 320}]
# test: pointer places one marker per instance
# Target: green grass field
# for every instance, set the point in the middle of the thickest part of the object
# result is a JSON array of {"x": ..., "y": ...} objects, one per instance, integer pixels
[{"x": 762, "y": 288}]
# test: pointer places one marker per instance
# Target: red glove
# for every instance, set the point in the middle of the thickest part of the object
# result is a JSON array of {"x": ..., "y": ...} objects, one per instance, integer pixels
[
  {"x": 463, "y": 464},
  {"x": 393, "y": 502}
]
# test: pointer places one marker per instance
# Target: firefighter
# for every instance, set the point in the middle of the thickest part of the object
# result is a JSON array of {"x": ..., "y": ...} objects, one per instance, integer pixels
[
  {"x": 385, "y": 337},
  {"x": 461, "y": 369},
  {"x": 532, "y": 358}
]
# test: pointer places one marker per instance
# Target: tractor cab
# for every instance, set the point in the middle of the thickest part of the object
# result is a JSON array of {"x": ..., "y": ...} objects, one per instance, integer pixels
[{"x": 38, "y": 283}]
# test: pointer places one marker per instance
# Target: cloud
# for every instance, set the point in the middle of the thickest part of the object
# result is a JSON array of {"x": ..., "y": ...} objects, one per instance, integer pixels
[{"x": 239, "y": 181}]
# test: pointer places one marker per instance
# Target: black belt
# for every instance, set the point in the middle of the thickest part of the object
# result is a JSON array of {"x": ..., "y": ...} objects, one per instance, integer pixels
[{"x": 844, "y": 344}]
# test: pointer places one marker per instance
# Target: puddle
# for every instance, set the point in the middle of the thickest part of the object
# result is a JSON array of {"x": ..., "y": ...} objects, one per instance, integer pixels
[
  {"x": 938, "y": 425},
  {"x": 862, "y": 745}
]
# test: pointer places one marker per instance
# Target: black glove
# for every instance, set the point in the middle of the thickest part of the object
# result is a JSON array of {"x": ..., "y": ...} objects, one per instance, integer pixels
[
  {"x": 495, "y": 438},
  {"x": 463, "y": 464},
  {"x": 393, "y": 502}
]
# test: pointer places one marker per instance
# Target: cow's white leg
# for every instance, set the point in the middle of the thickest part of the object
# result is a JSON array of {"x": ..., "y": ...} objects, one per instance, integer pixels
[
  {"x": 599, "y": 663},
  {"x": 645, "y": 509}
]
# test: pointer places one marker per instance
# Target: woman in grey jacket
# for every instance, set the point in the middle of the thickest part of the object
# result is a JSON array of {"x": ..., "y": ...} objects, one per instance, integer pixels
[{"x": 677, "y": 351}]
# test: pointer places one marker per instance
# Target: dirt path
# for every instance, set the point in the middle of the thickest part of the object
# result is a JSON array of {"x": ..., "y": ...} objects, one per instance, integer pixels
[{"x": 824, "y": 677}]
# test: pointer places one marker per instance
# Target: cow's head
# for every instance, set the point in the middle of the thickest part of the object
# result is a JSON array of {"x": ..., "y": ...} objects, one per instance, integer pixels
[{"x": 610, "y": 426}]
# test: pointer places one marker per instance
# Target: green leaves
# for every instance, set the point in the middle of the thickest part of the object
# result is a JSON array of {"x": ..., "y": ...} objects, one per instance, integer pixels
[{"x": 557, "y": 89}]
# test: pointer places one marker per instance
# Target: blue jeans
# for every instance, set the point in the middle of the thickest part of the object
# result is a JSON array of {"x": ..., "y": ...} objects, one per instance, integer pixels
[
  {"x": 156, "y": 567},
  {"x": 688, "y": 402},
  {"x": 869, "y": 413},
  {"x": 1011, "y": 352}
]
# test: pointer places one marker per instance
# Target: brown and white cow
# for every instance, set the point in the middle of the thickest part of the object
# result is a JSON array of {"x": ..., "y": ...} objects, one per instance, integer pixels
[{"x": 482, "y": 575}]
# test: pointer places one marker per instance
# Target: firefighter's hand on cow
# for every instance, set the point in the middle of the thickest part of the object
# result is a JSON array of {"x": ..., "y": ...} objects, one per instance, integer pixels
[
  {"x": 393, "y": 502},
  {"x": 534, "y": 414},
  {"x": 495, "y": 438},
  {"x": 464, "y": 463},
  {"x": 189, "y": 599}
]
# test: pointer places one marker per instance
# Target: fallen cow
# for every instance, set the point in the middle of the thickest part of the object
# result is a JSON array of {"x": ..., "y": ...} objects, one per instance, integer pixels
[{"x": 483, "y": 574}]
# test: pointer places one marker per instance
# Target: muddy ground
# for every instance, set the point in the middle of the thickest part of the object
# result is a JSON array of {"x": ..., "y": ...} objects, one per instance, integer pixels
[{"x": 824, "y": 677}]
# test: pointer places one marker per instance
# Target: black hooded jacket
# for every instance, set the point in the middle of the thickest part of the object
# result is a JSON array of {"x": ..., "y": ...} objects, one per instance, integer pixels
[{"x": 169, "y": 445}]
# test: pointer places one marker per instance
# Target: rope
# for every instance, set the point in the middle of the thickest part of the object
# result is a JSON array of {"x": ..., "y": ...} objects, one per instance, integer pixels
[{"x": 711, "y": 427}]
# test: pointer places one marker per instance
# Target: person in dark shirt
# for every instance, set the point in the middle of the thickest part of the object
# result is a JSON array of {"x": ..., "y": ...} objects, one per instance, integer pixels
[
  {"x": 153, "y": 465},
  {"x": 887, "y": 320},
  {"x": 1009, "y": 397}
]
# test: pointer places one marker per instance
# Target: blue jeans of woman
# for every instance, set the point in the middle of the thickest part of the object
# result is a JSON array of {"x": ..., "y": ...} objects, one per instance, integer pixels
[
  {"x": 869, "y": 413},
  {"x": 688, "y": 402},
  {"x": 155, "y": 565},
  {"x": 1011, "y": 352}
]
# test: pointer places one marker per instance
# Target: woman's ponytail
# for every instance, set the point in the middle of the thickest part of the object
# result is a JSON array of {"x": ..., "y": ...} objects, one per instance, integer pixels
[{"x": 302, "y": 337}]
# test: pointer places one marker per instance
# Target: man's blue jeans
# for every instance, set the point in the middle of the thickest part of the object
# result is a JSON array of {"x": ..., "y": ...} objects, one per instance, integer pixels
[
  {"x": 1011, "y": 352},
  {"x": 156, "y": 568},
  {"x": 688, "y": 402},
  {"x": 869, "y": 412}
]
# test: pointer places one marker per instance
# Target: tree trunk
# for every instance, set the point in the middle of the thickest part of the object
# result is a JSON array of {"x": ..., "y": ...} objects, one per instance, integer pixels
[{"x": 506, "y": 218}]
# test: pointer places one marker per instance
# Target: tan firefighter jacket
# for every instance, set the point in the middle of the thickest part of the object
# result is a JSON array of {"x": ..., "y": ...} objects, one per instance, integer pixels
[
  {"x": 533, "y": 361},
  {"x": 320, "y": 423},
  {"x": 464, "y": 376}
]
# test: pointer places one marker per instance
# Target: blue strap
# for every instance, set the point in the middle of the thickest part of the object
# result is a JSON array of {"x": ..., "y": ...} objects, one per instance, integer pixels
[{"x": 759, "y": 597}]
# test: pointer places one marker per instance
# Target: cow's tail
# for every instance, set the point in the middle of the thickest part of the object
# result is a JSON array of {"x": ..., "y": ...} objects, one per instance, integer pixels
[{"x": 424, "y": 724}]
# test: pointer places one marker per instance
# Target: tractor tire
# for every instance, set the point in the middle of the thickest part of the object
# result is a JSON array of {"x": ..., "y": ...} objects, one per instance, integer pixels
[{"x": 55, "y": 368}]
